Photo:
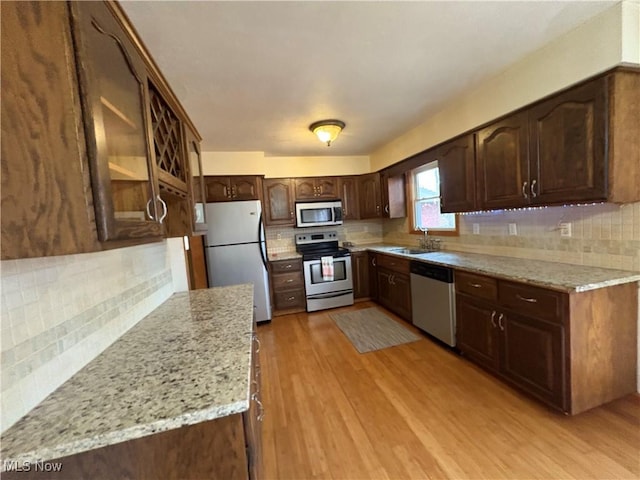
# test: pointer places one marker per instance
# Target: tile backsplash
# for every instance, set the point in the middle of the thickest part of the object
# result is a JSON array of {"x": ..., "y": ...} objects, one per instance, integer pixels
[
  {"x": 281, "y": 239},
  {"x": 58, "y": 313},
  {"x": 603, "y": 235}
]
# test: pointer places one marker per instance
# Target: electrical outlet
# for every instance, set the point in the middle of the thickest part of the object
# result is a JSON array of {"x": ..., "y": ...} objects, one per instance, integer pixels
[
  {"x": 513, "y": 229},
  {"x": 565, "y": 229},
  {"x": 476, "y": 229},
  {"x": 279, "y": 236}
]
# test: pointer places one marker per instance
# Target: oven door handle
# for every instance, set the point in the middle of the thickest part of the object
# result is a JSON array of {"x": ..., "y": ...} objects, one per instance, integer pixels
[{"x": 330, "y": 295}]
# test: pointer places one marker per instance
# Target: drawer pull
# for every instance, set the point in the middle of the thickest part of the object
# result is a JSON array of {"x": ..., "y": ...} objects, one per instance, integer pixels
[
  {"x": 291, "y": 298},
  {"x": 525, "y": 299},
  {"x": 493, "y": 319},
  {"x": 288, "y": 265},
  {"x": 289, "y": 280},
  {"x": 474, "y": 285}
]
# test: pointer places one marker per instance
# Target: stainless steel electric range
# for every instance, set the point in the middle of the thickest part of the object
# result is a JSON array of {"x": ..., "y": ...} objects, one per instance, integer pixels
[{"x": 327, "y": 270}]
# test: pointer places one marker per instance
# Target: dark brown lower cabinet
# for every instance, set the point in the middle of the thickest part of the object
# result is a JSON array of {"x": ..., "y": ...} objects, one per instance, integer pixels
[
  {"x": 573, "y": 351},
  {"x": 360, "y": 272},
  {"x": 287, "y": 286},
  {"x": 373, "y": 276},
  {"x": 394, "y": 292},
  {"x": 476, "y": 335},
  {"x": 533, "y": 356}
]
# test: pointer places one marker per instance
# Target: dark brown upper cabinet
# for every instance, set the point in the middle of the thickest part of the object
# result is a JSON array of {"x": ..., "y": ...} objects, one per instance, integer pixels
[
  {"x": 278, "y": 203},
  {"x": 168, "y": 142},
  {"x": 392, "y": 195},
  {"x": 551, "y": 153},
  {"x": 503, "y": 163},
  {"x": 370, "y": 196},
  {"x": 233, "y": 188},
  {"x": 456, "y": 164},
  {"x": 567, "y": 140},
  {"x": 115, "y": 96},
  {"x": 348, "y": 193},
  {"x": 316, "y": 188}
]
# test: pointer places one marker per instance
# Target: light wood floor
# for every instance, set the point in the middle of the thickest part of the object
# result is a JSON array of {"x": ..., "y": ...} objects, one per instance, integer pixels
[{"x": 419, "y": 411}]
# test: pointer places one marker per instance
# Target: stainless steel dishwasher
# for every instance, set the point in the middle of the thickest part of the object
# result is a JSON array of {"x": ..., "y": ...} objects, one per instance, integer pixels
[{"x": 433, "y": 301}]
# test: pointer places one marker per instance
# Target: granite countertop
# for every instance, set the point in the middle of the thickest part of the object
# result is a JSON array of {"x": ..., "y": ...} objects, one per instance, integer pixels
[
  {"x": 556, "y": 276},
  {"x": 274, "y": 257},
  {"x": 187, "y": 362}
]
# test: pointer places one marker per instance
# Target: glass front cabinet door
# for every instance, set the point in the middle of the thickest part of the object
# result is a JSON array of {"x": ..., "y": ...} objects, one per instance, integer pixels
[{"x": 114, "y": 89}]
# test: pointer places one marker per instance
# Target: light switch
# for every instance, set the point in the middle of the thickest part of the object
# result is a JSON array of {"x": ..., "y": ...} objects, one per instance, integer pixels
[
  {"x": 565, "y": 229},
  {"x": 513, "y": 229}
]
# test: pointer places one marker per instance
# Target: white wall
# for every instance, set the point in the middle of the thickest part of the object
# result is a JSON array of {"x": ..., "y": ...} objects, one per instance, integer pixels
[
  {"x": 256, "y": 163},
  {"x": 591, "y": 48}
]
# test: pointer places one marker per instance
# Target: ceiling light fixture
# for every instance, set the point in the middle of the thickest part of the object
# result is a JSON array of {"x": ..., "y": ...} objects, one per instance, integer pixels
[{"x": 327, "y": 130}]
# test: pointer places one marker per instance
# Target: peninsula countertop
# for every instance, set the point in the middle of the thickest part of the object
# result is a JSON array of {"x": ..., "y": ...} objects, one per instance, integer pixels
[
  {"x": 187, "y": 362},
  {"x": 553, "y": 275}
]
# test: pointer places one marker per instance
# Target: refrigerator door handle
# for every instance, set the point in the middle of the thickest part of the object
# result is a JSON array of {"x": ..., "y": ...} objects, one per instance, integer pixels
[{"x": 262, "y": 242}]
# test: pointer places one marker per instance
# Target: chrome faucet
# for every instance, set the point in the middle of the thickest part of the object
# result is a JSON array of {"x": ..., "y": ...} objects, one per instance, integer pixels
[{"x": 429, "y": 243}]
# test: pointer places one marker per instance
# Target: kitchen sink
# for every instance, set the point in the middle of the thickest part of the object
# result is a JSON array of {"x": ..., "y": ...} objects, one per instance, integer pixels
[{"x": 409, "y": 251}]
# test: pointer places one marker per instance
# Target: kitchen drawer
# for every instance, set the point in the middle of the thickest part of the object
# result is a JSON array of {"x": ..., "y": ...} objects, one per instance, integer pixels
[
  {"x": 400, "y": 265},
  {"x": 287, "y": 281},
  {"x": 538, "y": 302},
  {"x": 476, "y": 285},
  {"x": 290, "y": 299},
  {"x": 281, "y": 266}
]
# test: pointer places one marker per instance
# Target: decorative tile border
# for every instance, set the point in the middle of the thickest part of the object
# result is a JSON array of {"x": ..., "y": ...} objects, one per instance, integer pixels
[{"x": 26, "y": 357}]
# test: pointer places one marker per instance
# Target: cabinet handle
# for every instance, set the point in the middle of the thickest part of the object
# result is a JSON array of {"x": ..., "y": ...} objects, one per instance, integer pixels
[
  {"x": 255, "y": 339},
  {"x": 288, "y": 280},
  {"x": 533, "y": 192},
  {"x": 373, "y": 262},
  {"x": 493, "y": 319},
  {"x": 524, "y": 190},
  {"x": 288, "y": 265},
  {"x": 291, "y": 298},
  {"x": 148, "y": 211},
  {"x": 378, "y": 208},
  {"x": 226, "y": 192},
  {"x": 525, "y": 299},
  {"x": 233, "y": 191},
  {"x": 164, "y": 209},
  {"x": 386, "y": 209},
  {"x": 500, "y": 318},
  {"x": 441, "y": 201},
  {"x": 393, "y": 279},
  {"x": 474, "y": 285}
]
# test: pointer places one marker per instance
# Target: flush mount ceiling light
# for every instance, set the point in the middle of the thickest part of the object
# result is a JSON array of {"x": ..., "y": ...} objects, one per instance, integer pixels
[{"x": 327, "y": 130}]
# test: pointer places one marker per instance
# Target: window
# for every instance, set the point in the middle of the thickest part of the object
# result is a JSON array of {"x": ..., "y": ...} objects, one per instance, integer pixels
[{"x": 426, "y": 202}]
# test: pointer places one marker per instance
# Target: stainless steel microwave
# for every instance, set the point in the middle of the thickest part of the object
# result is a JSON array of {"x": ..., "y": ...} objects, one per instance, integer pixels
[{"x": 318, "y": 214}]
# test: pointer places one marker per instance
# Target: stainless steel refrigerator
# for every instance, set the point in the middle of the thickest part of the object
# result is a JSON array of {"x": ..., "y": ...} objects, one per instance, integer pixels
[{"x": 236, "y": 250}]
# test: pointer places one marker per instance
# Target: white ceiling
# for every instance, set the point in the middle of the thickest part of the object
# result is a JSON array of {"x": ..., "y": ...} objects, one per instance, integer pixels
[{"x": 254, "y": 75}]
